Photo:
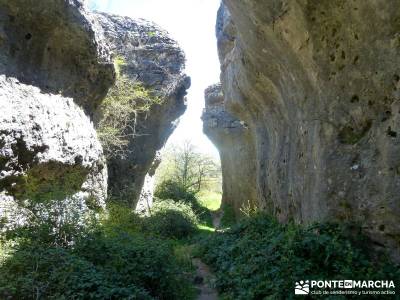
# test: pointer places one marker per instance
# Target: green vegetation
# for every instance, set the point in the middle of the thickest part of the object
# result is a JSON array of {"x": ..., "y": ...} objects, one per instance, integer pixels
[
  {"x": 97, "y": 267},
  {"x": 121, "y": 255},
  {"x": 189, "y": 176},
  {"x": 120, "y": 109},
  {"x": 192, "y": 171},
  {"x": 172, "y": 191},
  {"x": 171, "y": 219},
  {"x": 261, "y": 259},
  {"x": 228, "y": 218},
  {"x": 65, "y": 252},
  {"x": 113, "y": 256}
]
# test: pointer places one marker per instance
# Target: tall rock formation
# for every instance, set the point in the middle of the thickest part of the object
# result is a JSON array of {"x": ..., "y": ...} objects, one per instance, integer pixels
[
  {"x": 318, "y": 84},
  {"x": 234, "y": 142},
  {"x": 54, "y": 71},
  {"x": 151, "y": 60}
]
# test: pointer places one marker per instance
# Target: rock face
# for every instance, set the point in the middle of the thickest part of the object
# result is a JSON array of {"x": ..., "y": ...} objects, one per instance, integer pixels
[
  {"x": 146, "y": 197},
  {"x": 49, "y": 147},
  {"x": 54, "y": 71},
  {"x": 155, "y": 62},
  {"x": 234, "y": 142},
  {"x": 318, "y": 84},
  {"x": 57, "y": 46}
]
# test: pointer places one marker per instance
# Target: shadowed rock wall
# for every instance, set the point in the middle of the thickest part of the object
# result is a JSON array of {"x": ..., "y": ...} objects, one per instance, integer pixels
[
  {"x": 234, "y": 142},
  {"x": 152, "y": 60},
  {"x": 318, "y": 84}
]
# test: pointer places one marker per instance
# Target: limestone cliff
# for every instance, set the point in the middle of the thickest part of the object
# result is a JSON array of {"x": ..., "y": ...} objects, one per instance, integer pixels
[
  {"x": 235, "y": 144},
  {"x": 318, "y": 84},
  {"x": 154, "y": 62},
  {"x": 54, "y": 70}
]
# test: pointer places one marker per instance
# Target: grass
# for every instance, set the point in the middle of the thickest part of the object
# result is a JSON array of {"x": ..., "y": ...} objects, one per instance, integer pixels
[
  {"x": 210, "y": 200},
  {"x": 205, "y": 228}
]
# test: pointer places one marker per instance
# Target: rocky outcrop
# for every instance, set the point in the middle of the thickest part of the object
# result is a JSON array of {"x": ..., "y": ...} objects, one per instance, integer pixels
[
  {"x": 55, "y": 70},
  {"x": 49, "y": 148},
  {"x": 153, "y": 61},
  {"x": 147, "y": 194},
  {"x": 57, "y": 46},
  {"x": 56, "y": 63},
  {"x": 234, "y": 141},
  {"x": 320, "y": 92}
]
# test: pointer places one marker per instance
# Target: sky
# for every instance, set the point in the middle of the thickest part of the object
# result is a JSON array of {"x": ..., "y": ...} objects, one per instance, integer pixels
[{"x": 192, "y": 24}]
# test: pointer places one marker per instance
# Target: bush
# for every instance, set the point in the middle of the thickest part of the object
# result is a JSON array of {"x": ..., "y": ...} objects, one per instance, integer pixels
[
  {"x": 98, "y": 267},
  {"x": 171, "y": 189},
  {"x": 171, "y": 219},
  {"x": 110, "y": 259},
  {"x": 228, "y": 218},
  {"x": 259, "y": 258}
]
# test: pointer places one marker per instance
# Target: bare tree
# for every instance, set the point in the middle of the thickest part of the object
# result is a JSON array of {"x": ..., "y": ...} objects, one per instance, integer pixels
[{"x": 190, "y": 168}]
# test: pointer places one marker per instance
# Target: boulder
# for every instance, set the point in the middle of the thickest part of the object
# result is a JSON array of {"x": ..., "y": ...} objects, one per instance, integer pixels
[
  {"x": 48, "y": 148},
  {"x": 55, "y": 69}
]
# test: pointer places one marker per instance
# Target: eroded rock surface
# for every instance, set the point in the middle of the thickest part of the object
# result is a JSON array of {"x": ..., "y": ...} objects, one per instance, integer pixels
[
  {"x": 49, "y": 147},
  {"x": 154, "y": 61},
  {"x": 54, "y": 71},
  {"x": 57, "y": 46},
  {"x": 234, "y": 141},
  {"x": 320, "y": 92}
]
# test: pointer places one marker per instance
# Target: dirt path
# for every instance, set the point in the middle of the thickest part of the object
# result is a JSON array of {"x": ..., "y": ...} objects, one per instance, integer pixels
[{"x": 204, "y": 281}]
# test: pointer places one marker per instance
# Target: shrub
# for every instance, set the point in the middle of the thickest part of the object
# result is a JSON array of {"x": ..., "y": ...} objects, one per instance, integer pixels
[
  {"x": 228, "y": 218},
  {"x": 171, "y": 219},
  {"x": 98, "y": 267},
  {"x": 54, "y": 223},
  {"x": 173, "y": 190},
  {"x": 120, "y": 218},
  {"x": 259, "y": 258},
  {"x": 120, "y": 109},
  {"x": 106, "y": 259}
]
